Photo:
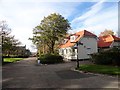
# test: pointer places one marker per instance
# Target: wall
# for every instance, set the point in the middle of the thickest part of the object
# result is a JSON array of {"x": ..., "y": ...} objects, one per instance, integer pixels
[
  {"x": 82, "y": 53},
  {"x": 90, "y": 42},
  {"x": 89, "y": 47},
  {"x": 115, "y": 44}
]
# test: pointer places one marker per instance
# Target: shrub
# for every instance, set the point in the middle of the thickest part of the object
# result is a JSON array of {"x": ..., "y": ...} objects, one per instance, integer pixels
[
  {"x": 50, "y": 58},
  {"x": 101, "y": 58},
  {"x": 111, "y": 56}
]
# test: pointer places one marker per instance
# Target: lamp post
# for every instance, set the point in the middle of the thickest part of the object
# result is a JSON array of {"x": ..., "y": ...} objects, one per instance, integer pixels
[
  {"x": 1, "y": 45},
  {"x": 77, "y": 56},
  {"x": 72, "y": 40},
  {"x": 77, "y": 43}
]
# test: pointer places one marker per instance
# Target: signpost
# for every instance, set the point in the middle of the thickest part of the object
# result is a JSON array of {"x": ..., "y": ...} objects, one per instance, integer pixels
[
  {"x": 77, "y": 43},
  {"x": 77, "y": 56},
  {"x": 72, "y": 40}
]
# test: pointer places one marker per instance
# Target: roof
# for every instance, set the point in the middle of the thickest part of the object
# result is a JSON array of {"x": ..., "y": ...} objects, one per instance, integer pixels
[
  {"x": 80, "y": 35},
  {"x": 106, "y": 41}
]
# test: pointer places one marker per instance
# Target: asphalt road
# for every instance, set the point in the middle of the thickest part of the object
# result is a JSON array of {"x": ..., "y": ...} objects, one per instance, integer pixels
[{"x": 27, "y": 74}]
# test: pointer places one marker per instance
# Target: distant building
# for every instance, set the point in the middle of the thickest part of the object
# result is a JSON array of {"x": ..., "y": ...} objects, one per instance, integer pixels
[
  {"x": 108, "y": 41},
  {"x": 22, "y": 51}
]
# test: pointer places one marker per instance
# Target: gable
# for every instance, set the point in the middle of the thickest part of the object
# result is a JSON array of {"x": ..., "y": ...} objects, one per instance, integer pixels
[{"x": 78, "y": 35}]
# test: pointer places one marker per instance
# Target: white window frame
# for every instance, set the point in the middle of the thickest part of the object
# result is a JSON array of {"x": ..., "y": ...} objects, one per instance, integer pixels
[{"x": 72, "y": 38}]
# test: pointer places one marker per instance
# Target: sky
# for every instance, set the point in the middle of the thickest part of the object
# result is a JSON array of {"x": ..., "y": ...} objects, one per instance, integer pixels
[{"x": 92, "y": 15}]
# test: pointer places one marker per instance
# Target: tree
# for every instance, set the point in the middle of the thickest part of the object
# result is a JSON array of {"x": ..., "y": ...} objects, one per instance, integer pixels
[
  {"x": 8, "y": 43},
  {"x": 50, "y": 31},
  {"x": 4, "y": 31},
  {"x": 106, "y": 32}
]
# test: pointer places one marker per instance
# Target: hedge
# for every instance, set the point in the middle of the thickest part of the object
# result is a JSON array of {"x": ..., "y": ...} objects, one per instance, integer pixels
[
  {"x": 50, "y": 59},
  {"x": 108, "y": 57}
]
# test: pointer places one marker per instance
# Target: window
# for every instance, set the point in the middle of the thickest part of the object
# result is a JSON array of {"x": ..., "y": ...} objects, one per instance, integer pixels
[
  {"x": 72, "y": 38},
  {"x": 70, "y": 50},
  {"x": 73, "y": 52},
  {"x": 88, "y": 48},
  {"x": 65, "y": 41},
  {"x": 66, "y": 51},
  {"x": 62, "y": 51}
]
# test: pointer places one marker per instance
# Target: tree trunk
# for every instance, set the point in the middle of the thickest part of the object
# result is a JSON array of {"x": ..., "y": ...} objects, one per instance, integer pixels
[{"x": 52, "y": 48}]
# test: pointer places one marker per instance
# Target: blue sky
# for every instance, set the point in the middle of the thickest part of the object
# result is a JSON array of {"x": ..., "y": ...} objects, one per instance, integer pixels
[{"x": 23, "y": 15}]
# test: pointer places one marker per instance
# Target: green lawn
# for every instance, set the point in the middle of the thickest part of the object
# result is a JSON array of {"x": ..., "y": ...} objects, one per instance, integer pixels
[
  {"x": 111, "y": 70},
  {"x": 12, "y": 59}
]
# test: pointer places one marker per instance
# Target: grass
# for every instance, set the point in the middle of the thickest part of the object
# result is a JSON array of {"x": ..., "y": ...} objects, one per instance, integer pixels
[
  {"x": 12, "y": 59},
  {"x": 102, "y": 69}
]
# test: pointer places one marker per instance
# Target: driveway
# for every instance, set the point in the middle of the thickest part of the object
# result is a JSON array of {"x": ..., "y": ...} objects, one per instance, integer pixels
[{"x": 27, "y": 74}]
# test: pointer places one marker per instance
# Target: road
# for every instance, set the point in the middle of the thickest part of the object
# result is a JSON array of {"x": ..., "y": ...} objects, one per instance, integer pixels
[{"x": 27, "y": 74}]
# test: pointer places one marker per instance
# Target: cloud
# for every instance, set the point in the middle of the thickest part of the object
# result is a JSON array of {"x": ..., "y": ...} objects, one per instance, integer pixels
[
  {"x": 102, "y": 16},
  {"x": 93, "y": 10},
  {"x": 22, "y": 16}
]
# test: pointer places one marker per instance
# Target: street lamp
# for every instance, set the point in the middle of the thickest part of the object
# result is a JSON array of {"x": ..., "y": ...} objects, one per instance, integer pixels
[
  {"x": 72, "y": 40},
  {"x": 77, "y": 56},
  {"x": 77, "y": 43}
]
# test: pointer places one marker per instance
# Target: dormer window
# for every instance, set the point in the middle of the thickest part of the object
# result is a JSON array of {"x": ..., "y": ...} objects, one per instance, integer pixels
[
  {"x": 72, "y": 38},
  {"x": 65, "y": 41}
]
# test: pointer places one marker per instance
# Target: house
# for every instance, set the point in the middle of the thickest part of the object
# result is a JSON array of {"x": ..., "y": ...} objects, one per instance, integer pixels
[
  {"x": 86, "y": 42},
  {"x": 22, "y": 51},
  {"x": 108, "y": 41}
]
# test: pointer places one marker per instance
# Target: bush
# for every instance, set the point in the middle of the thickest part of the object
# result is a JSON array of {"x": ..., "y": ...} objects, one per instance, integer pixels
[
  {"x": 107, "y": 57},
  {"x": 50, "y": 58}
]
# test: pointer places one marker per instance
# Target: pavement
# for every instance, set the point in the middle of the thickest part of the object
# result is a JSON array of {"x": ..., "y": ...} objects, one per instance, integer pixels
[{"x": 27, "y": 74}]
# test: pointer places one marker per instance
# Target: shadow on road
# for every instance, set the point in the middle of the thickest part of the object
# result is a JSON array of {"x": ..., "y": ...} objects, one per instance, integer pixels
[{"x": 68, "y": 74}]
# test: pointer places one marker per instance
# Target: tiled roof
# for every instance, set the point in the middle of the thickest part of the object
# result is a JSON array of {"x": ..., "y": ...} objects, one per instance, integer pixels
[
  {"x": 116, "y": 38},
  {"x": 104, "y": 44},
  {"x": 106, "y": 41},
  {"x": 80, "y": 35}
]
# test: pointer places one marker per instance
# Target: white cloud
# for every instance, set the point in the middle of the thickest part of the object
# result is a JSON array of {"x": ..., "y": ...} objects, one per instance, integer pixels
[
  {"x": 22, "y": 17},
  {"x": 99, "y": 20},
  {"x": 93, "y": 10},
  {"x": 23, "y": 34}
]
